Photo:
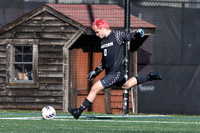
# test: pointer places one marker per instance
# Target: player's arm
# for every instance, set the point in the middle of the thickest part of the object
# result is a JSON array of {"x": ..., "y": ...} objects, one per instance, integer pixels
[
  {"x": 96, "y": 72},
  {"x": 123, "y": 37}
]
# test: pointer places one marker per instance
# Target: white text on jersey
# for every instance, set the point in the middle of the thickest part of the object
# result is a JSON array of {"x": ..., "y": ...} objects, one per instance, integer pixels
[{"x": 106, "y": 45}]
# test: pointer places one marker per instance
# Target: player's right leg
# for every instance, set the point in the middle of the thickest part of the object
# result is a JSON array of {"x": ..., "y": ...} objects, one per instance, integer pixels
[
  {"x": 94, "y": 90},
  {"x": 88, "y": 101},
  {"x": 109, "y": 80}
]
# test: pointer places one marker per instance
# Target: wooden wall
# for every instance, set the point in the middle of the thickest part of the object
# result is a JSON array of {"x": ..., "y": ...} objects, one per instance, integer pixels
[
  {"x": 51, "y": 34},
  {"x": 2, "y": 66}
]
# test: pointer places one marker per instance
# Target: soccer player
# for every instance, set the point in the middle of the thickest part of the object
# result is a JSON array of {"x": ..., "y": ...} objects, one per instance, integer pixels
[{"x": 112, "y": 46}]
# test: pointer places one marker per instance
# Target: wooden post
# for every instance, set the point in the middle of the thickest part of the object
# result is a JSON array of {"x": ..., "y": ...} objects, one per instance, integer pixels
[
  {"x": 134, "y": 93},
  {"x": 73, "y": 79},
  {"x": 8, "y": 63},
  {"x": 108, "y": 101},
  {"x": 66, "y": 68}
]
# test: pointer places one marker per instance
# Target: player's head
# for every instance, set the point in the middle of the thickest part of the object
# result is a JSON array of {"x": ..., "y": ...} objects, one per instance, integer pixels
[
  {"x": 100, "y": 27},
  {"x": 100, "y": 23}
]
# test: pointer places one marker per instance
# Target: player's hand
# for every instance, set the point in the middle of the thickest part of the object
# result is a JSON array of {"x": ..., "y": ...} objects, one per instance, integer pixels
[
  {"x": 141, "y": 32},
  {"x": 91, "y": 75}
]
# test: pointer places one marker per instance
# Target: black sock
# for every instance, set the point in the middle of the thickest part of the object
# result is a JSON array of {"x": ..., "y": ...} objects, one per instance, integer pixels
[
  {"x": 86, "y": 103},
  {"x": 141, "y": 80}
]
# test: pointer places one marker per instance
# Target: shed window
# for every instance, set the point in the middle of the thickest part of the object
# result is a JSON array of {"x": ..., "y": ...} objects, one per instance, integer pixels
[{"x": 22, "y": 63}]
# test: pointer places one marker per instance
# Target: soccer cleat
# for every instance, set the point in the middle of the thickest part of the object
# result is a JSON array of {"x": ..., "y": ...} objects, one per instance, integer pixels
[
  {"x": 75, "y": 112},
  {"x": 154, "y": 76}
]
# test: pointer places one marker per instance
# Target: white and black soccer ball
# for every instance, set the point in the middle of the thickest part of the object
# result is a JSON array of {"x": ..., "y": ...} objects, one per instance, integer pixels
[{"x": 48, "y": 112}]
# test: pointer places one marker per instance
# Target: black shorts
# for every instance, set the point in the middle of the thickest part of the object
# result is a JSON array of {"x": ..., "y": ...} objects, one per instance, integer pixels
[{"x": 113, "y": 79}]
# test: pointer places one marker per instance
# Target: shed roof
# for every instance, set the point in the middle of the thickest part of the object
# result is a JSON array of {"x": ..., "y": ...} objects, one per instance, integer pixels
[
  {"x": 86, "y": 14},
  {"x": 82, "y": 16}
]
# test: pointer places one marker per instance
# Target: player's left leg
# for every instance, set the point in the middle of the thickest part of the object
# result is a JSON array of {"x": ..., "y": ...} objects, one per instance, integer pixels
[
  {"x": 139, "y": 80},
  {"x": 130, "y": 83}
]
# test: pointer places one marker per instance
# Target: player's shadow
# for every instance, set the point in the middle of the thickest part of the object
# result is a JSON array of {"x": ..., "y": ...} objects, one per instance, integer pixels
[
  {"x": 99, "y": 117},
  {"x": 105, "y": 118}
]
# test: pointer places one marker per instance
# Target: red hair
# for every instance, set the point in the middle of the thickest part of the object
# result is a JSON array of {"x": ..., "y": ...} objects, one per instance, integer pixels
[{"x": 101, "y": 23}]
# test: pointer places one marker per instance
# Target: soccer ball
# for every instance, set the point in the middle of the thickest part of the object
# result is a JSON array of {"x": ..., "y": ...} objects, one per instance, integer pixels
[{"x": 48, "y": 112}]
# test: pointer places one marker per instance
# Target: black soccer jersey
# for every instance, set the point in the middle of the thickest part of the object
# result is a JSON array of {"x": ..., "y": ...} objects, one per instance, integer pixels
[{"x": 112, "y": 48}]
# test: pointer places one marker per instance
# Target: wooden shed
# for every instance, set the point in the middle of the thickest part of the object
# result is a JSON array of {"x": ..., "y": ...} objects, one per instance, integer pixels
[{"x": 46, "y": 55}]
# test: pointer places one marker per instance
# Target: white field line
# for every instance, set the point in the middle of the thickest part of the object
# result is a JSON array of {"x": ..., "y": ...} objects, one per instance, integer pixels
[
  {"x": 126, "y": 116},
  {"x": 119, "y": 121},
  {"x": 22, "y": 118},
  {"x": 164, "y": 122}
]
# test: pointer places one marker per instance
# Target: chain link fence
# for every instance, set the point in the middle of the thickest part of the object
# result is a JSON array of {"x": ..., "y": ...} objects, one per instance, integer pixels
[{"x": 172, "y": 51}]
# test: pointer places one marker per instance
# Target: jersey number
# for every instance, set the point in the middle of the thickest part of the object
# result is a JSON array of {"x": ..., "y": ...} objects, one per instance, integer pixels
[{"x": 105, "y": 52}]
